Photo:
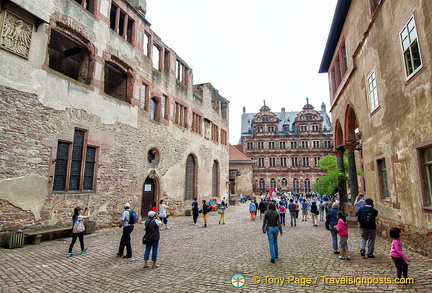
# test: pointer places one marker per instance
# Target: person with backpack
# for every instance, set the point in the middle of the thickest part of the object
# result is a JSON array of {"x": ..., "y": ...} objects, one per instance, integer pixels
[
  {"x": 366, "y": 217},
  {"x": 205, "y": 211},
  {"x": 151, "y": 239},
  {"x": 127, "y": 223}
]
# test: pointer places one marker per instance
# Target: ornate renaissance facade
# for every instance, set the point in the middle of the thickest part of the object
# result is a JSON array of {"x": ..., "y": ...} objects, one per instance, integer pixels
[
  {"x": 286, "y": 147},
  {"x": 95, "y": 110}
]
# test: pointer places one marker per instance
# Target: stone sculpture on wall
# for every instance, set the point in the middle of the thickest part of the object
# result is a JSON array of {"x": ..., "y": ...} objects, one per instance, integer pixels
[{"x": 16, "y": 34}]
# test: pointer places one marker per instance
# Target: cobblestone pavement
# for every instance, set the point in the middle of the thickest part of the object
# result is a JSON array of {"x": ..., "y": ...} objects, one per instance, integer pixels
[{"x": 193, "y": 259}]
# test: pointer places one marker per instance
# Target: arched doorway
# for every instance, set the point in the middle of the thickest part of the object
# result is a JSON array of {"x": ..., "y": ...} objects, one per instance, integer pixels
[
  {"x": 191, "y": 173},
  {"x": 149, "y": 195},
  {"x": 215, "y": 179}
]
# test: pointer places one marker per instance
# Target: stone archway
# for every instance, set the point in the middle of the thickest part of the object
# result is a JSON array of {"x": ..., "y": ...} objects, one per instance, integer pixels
[{"x": 150, "y": 194}]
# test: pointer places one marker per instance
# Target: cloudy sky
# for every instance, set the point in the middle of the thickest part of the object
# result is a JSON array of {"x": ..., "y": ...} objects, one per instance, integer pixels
[{"x": 250, "y": 50}]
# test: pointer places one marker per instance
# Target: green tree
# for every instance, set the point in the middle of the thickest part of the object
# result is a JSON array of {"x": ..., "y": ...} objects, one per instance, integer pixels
[{"x": 329, "y": 183}]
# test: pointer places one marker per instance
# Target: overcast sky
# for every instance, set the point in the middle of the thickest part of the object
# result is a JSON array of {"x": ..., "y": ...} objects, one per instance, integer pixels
[{"x": 250, "y": 50}]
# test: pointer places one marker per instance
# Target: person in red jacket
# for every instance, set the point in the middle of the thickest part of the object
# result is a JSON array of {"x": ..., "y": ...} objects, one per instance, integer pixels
[{"x": 342, "y": 228}]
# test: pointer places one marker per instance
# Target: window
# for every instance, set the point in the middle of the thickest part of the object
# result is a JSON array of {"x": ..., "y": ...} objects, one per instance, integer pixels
[
  {"x": 293, "y": 144},
  {"x": 339, "y": 67},
  {"x": 181, "y": 72},
  {"x": 250, "y": 146},
  {"x": 282, "y": 145},
  {"x": 283, "y": 162},
  {"x": 196, "y": 123},
  {"x": 303, "y": 128},
  {"x": 260, "y": 145},
  {"x": 284, "y": 182},
  {"x": 75, "y": 165},
  {"x": 260, "y": 162},
  {"x": 296, "y": 185},
  {"x": 316, "y": 160},
  {"x": 156, "y": 54},
  {"x": 167, "y": 60},
  {"x": 121, "y": 23},
  {"x": 191, "y": 174},
  {"x": 215, "y": 179},
  {"x": 180, "y": 115},
  {"x": 316, "y": 144},
  {"x": 143, "y": 96},
  {"x": 215, "y": 133},
  {"x": 372, "y": 91},
  {"x": 272, "y": 162},
  {"x": 164, "y": 106},
  {"x": 426, "y": 173},
  {"x": 327, "y": 144},
  {"x": 294, "y": 162},
  {"x": 146, "y": 44},
  {"x": 261, "y": 183},
  {"x": 305, "y": 144},
  {"x": 307, "y": 185},
  {"x": 87, "y": 4},
  {"x": 271, "y": 145},
  {"x": 383, "y": 183},
  {"x": 273, "y": 183},
  {"x": 116, "y": 82},
  {"x": 69, "y": 57},
  {"x": 154, "y": 109},
  {"x": 305, "y": 162},
  {"x": 223, "y": 137},
  {"x": 410, "y": 48}
]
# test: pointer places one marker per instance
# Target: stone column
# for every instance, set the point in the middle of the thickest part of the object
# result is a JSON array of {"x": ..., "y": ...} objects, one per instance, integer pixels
[
  {"x": 342, "y": 184},
  {"x": 352, "y": 170}
]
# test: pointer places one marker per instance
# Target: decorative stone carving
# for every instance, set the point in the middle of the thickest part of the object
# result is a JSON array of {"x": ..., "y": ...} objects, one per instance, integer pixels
[{"x": 16, "y": 34}]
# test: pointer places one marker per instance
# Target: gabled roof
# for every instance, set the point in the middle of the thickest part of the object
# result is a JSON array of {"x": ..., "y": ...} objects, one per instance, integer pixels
[
  {"x": 339, "y": 17},
  {"x": 237, "y": 156}
]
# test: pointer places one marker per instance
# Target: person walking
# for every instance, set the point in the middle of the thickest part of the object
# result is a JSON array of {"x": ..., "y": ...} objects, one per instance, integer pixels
[
  {"x": 271, "y": 226},
  {"x": 151, "y": 239},
  {"x": 321, "y": 211},
  {"x": 78, "y": 229},
  {"x": 304, "y": 209},
  {"x": 262, "y": 208},
  {"x": 314, "y": 213},
  {"x": 292, "y": 210},
  {"x": 205, "y": 210},
  {"x": 332, "y": 218},
  {"x": 252, "y": 210},
  {"x": 398, "y": 257},
  {"x": 282, "y": 211},
  {"x": 221, "y": 212},
  {"x": 366, "y": 217},
  {"x": 342, "y": 228},
  {"x": 297, "y": 208},
  {"x": 125, "y": 241},
  {"x": 195, "y": 210},
  {"x": 163, "y": 213}
]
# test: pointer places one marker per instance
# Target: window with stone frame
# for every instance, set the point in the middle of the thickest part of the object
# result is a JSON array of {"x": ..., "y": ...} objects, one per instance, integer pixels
[
  {"x": 147, "y": 39},
  {"x": 250, "y": 146},
  {"x": 425, "y": 165},
  {"x": 69, "y": 56},
  {"x": 262, "y": 183},
  {"x": 273, "y": 183},
  {"x": 410, "y": 48},
  {"x": 284, "y": 182},
  {"x": 261, "y": 162},
  {"x": 294, "y": 162},
  {"x": 272, "y": 162},
  {"x": 383, "y": 182},
  {"x": 215, "y": 133},
  {"x": 89, "y": 5},
  {"x": 339, "y": 67},
  {"x": 156, "y": 57},
  {"x": 143, "y": 96},
  {"x": 196, "y": 123},
  {"x": 316, "y": 161},
  {"x": 182, "y": 72},
  {"x": 293, "y": 144},
  {"x": 223, "y": 134},
  {"x": 271, "y": 145},
  {"x": 282, "y": 145},
  {"x": 75, "y": 165},
  {"x": 155, "y": 109},
  {"x": 121, "y": 22},
  {"x": 372, "y": 91},
  {"x": 180, "y": 115},
  {"x": 296, "y": 185},
  {"x": 116, "y": 82},
  {"x": 305, "y": 161},
  {"x": 307, "y": 185},
  {"x": 283, "y": 162}
]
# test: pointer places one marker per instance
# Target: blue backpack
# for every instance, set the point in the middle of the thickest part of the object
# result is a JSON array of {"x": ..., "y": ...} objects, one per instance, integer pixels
[{"x": 132, "y": 217}]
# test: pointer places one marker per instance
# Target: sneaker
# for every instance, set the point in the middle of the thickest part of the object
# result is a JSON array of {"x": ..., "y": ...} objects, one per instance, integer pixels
[
  {"x": 336, "y": 252},
  {"x": 70, "y": 255},
  {"x": 272, "y": 261},
  {"x": 371, "y": 256},
  {"x": 119, "y": 255},
  {"x": 155, "y": 266},
  {"x": 348, "y": 257},
  {"x": 84, "y": 251},
  {"x": 362, "y": 252},
  {"x": 204, "y": 226},
  {"x": 146, "y": 266},
  {"x": 127, "y": 256},
  {"x": 343, "y": 257}
]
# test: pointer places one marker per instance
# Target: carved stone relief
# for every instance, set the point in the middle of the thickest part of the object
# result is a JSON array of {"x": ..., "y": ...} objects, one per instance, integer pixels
[{"x": 16, "y": 34}]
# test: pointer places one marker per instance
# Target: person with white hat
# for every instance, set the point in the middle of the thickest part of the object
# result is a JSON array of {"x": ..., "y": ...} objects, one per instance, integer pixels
[
  {"x": 151, "y": 238},
  {"x": 125, "y": 240}
]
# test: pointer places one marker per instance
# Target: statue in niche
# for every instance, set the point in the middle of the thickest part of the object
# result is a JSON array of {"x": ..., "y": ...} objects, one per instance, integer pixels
[{"x": 16, "y": 35}]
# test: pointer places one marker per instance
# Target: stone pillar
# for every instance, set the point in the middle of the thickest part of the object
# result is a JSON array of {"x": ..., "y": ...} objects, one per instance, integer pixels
[
  {"x": 342, "y": 184},
  {"x": 352, "y": 170}
]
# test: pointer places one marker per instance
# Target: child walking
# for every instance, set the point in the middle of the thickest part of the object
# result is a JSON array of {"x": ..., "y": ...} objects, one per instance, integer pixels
[
  {"x": 78, "y": 229},
  {"x": 397, "y": 255},
  {"x": 342, "y": 228}
]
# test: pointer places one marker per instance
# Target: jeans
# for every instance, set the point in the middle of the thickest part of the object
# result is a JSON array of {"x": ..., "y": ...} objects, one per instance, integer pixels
[
  {"x": 272, "y": 235},
  {"x": 153, "y": 246},
  {"x": 293, "y": 216},
  {"x": 334, "y": 235},
  {"x": 368, "y": 235},
  {"x": 401, "y": 267},
  {"x": 80, "y": 236},
  {"x": 282, "y": 218},
  {"x": 125, "y": 241}
]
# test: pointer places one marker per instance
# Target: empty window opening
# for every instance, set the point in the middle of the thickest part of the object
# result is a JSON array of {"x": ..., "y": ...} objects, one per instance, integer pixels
[{"x": 116, "y": 82}]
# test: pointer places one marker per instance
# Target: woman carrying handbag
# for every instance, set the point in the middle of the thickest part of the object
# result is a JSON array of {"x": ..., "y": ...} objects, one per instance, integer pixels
[{"x": 78, "y": 229}]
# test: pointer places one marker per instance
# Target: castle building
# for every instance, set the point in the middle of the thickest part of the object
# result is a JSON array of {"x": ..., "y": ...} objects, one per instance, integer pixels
[
  {"x": 286, "y": 147},
  {"x": 378, "y": 60},
  {"x": 96, "y": 110}
]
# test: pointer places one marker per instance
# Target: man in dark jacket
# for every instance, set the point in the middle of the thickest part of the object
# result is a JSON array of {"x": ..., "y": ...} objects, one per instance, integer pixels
[
  {"x": 366, "y": 217},
  {"x": 271, "y": 225},
  {"x": 151, "y": 238}
]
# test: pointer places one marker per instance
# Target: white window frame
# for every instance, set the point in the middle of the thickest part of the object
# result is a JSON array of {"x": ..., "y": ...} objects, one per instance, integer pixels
[
  {"x": 409, "y": 46},
  {"x": 372, "y": 89}
]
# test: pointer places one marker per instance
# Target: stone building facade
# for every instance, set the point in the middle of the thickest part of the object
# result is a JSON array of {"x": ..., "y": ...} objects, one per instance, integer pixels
[
  {"x": 378, "y": 60},
  {"x": 95, "y": 110},
  {"x": 240, "y": 172},
  {"x": 286, "y": 147}
]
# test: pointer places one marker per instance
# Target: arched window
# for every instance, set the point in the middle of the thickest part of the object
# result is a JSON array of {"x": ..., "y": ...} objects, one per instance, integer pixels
[
  {"x": 296, "y": 185},
  {"x": 261, "y": 183},
  {"x": 190, "y": 190},
  {"x": 284, "y": 182},
  {"x": 215, "y": 179},
  {"x": 273, "y": 183},
  {"x": 307, "y": 185}
]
